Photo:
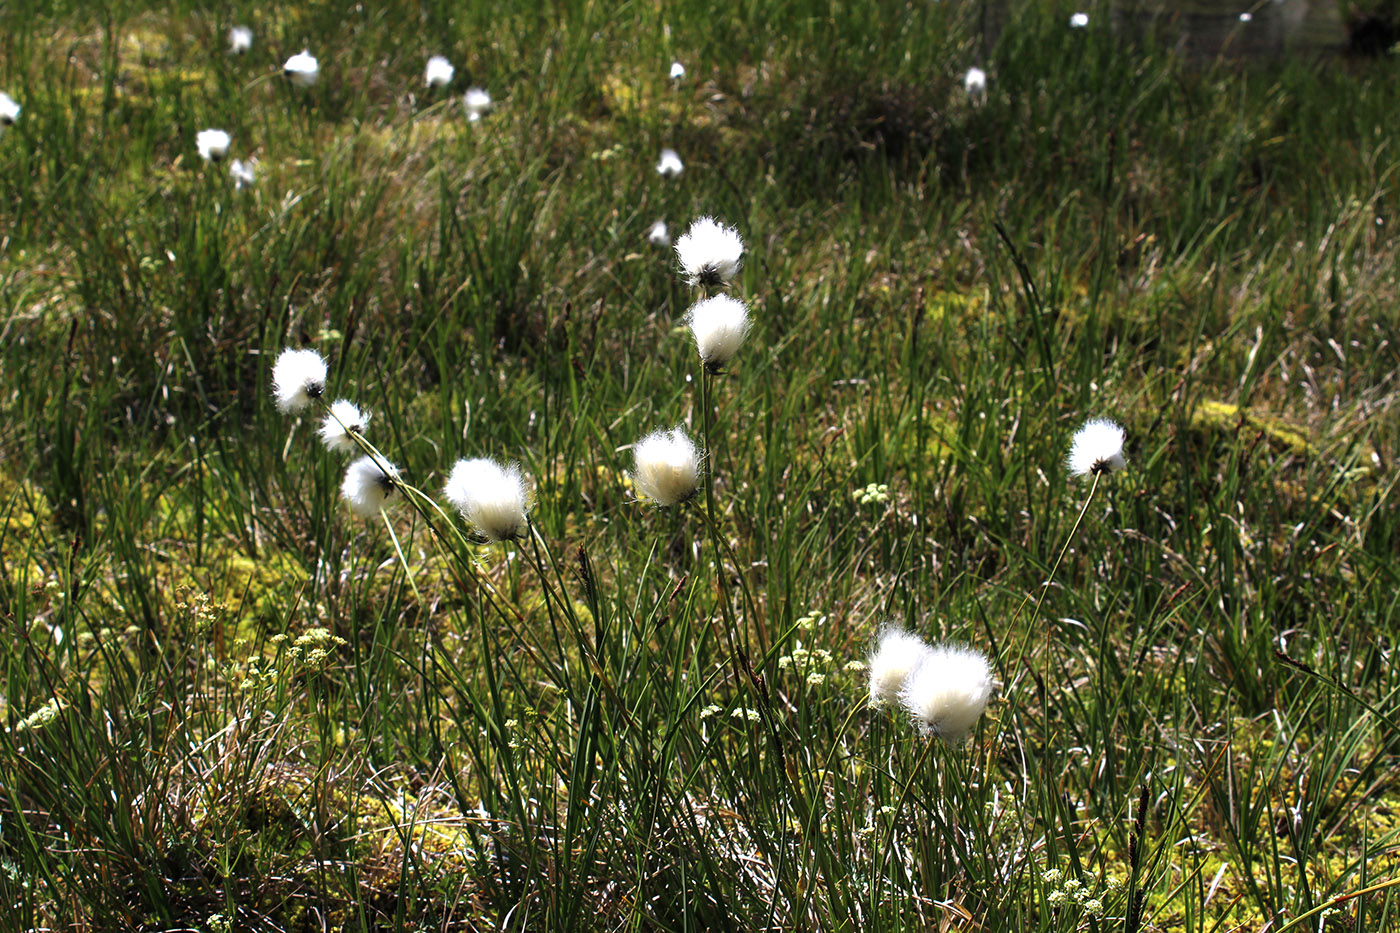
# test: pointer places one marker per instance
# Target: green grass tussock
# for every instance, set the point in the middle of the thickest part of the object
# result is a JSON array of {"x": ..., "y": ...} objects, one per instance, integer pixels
[{"x": 230, "y": 703}]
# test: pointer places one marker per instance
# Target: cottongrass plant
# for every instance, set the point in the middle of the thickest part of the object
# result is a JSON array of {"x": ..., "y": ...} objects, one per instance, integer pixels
[
  {"x": 477, "y": 103},
  {"x": 342, "y": 424},
  {"x": 658, "y": 234},
  {"x": 298, "y": 379},
  {"x": 212, "y": 144},
  {"x": 240, "y": 40},
  {"x": 670, "y": 164},
  {"x": 491, "y": 497},
  {"x": 1078, "y": 20},
  {"x": 677, "y": 71},
  {"x": 1097, "y": 448},
  {"x": 369, "y": 485},
  {"x": 666, "y": 467},
  {"x": 947, "y": 691},
  {"x": 896, "y": 654},
  {"x": 9, "y": 112},
  {"x": 975, "y": 84},
  {"x": 710, "y": 253},
  {"x": 439, "y": 72},
  {"x": 719, "y": 325},
  {"x": 242, "y": 173},
  {"x": 302, "y": 69}
]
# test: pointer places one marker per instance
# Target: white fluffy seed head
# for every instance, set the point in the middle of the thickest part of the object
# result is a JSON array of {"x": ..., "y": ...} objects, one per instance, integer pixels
[
  {"x": 477, "y": 102},
  {"x": 677, "y": 71},
  {"x": 667, "y": 467},
  {"x": 439, "y": 72},
  {"x": 710, "y": 252},
  {"x": 343, "y": 420},
  {"x": 719, "y": 326},
  {"x": 9, "y": 111},
  {"x": 240, "y": 39},
  {"x": 298, "y": 377},
  {"x": 492, "y": 497},
  {"x": 302, "y": 68},
  {"x": 947, "y": 692},
  {"x": 1078, "y": 20},
  {"x": 897, "y": 653},
  {"x": 368, "y": 486},
  {"x": 212, "y": 144},
  {"x": 242, "y": 173},
  {"x": 658, "y": 235},
  {"x": 975, "y": 82},
  {"x": 670, "y": 164},
  {"x": 1097, "y": 448}
]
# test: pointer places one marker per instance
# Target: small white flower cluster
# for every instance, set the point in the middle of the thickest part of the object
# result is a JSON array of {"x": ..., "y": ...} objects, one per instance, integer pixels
[
  {"x": 1085, "y": 896},
  {"x": 811, "y": 620},
  {"x": 943, "y": 688},
  {"x": 874, "y": 493}
]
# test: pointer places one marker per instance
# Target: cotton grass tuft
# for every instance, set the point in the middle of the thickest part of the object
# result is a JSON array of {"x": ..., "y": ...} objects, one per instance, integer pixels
[
  {"x": 302, "y": 69},
  {"x": 368, "y": 486},
  {"x": 667, "y": 467},
  {"x": 491, "y": 497},
  {"x": 947, "y": 691},
  {"x": 710, "y": 253},
  {"x": 897, "y": 653},
  {"x": 1097, "y": 448},
  {"x": 342, "y": 421},
  {"x": 298, "y": 379},
  {"x": 719, "y": 325},
  {"x": 212, "y": 144},
  {"x": 439, "y": 72}
]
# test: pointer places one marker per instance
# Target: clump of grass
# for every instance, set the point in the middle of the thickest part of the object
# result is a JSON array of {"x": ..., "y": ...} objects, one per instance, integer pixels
[{"x": 633, "y": 689}]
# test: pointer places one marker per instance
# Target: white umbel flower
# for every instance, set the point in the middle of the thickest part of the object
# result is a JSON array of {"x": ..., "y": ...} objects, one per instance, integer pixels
[
  {"x": 344, "y": 419},
  {"x": 1097, "y": 448},
  {"x": 368, "y": 486},
  {"x": 719, "y": 326},
  {"x": 298, "y": 378},
  {"x": 490, "y": 496},
  {"x": 240, "y": 40},
  {"x": 439, "y": 72},
  {"x": 477, "y": 102},
  {"x": 1078, "y": 20},
  {"x": 897, "y": 653},
  {"x": 658, "y": 235},
  {"x": 948, "y": 691},
  {"x": 9, "y": 112},
  {"x": 975, "y": 83},
  {"x": 667, "y": 467},
  {"x": 670, "y": 164},
  {"x": 242, "y": 173},
  {"x": 710, "y": 252},
  {"x": 677, "y": 71},
  {"x": 302, "y": 68},
  {"x": 212, "y": 144}
]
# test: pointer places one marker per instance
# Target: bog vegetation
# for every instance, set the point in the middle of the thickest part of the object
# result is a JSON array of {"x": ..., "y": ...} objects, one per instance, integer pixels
[{"x": 252, "y": 681}]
